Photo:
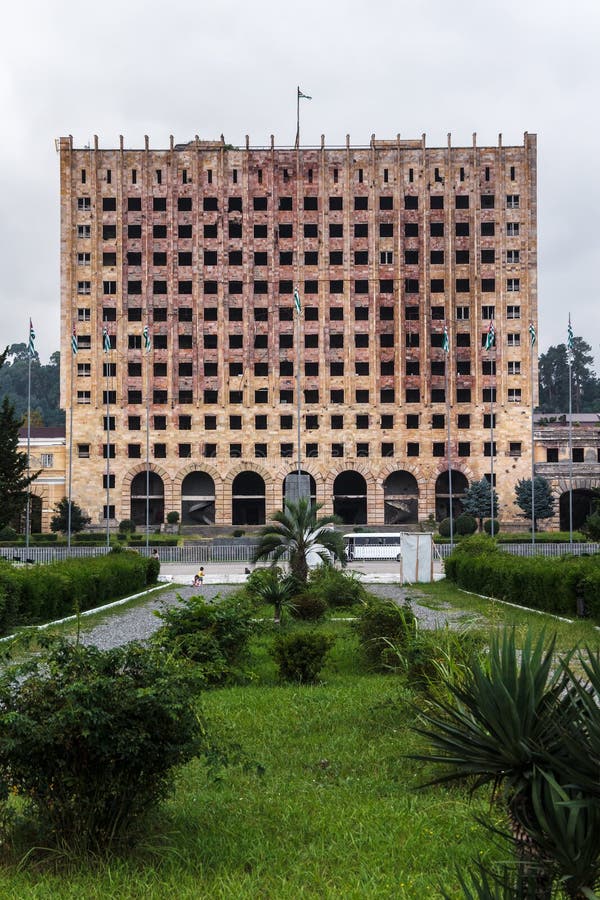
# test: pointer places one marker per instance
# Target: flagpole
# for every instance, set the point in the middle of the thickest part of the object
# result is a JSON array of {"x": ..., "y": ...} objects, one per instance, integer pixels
[
  {"x": 107, "y": 350},
  {"x": 147, "y": 349},
  {"x": 297, "y": 145},
  {"x": 490, "y": 345},
  {"x": 570, "y": 361},
  {"x": 28, "y": 507},
  {"x": 298, "y": 396},
  {"x": 448, "y": 433},
  {"x": 69, "y": 521},
  {"x": 532, "y": 343}
]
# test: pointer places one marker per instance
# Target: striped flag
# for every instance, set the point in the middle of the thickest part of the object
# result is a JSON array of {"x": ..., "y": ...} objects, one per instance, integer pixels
[
  {"x": 532, "y": 333},
  {"x": 106, "y": 340},
  {"x": 446, "y": 340},
  {"x": 490, "y": 340},
  {"x": 74, "y": 344},
  {"x": 297, "y": 303},
  {"x": 302, "y": 96},
  {"x": 31, "y": 344},
  {"x": 147, "y": 339},
  {"x": 570, "y": 338}
]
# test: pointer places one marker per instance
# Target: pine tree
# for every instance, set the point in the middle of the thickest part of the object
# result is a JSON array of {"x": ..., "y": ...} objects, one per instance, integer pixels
[
  {"x": 13, "y": 467},
  {"x": 60, "y": 521},
  {"x": 477, "y": 501},
  {"x": 544, "y": 501}
]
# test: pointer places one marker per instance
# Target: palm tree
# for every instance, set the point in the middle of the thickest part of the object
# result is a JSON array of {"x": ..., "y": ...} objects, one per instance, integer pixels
[
  {"x": 275, "y": 590},
  {"x": 297, "y": 530}
]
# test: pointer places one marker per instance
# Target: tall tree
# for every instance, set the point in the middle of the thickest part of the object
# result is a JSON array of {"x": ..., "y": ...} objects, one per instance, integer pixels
[
  {"x": 296, "y": 530},
  {"x": 544, "y": 501},
  {"x": 13, "y": 467},
  {"x": 554, "y": 379},
  {"x": 477, "y": 501},
  {"x": 60, "y": 521},
  {"x": 45, "y": 385}
]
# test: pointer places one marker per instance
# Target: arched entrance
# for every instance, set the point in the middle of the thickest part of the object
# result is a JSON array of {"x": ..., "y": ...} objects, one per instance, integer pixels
[
  {"x": 156, "y": 499},
  {"x": 350, "y": 498},
  {"x": 248, "y": 499},
  {"x": 198, "y": 499},
  {"x": 401, "y": 499},
  {"x": 442, "y": 494},
  {"x": 583, "y": 504},
  {"x": 311, "y": 481}
]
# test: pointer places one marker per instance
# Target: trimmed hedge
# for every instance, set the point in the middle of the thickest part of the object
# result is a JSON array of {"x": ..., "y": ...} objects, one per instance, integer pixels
[
  {"x": 41, "y": 593},
  {"x": 553, "y": 585}
]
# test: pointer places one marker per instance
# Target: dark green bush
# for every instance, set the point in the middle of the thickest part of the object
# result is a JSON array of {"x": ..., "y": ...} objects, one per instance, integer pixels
[
  {"x": 335, "y": 587},
  {"x": 8, "y": 534},
  {"x": 44, "y": 538},
  {"x": 384, "y": 627},
  {"x": 487, "y": 526},
  {"x": 300, "y": 657},
  {"x": 44, "y": 592},
  {"x": 444, "y": 527},
  {"x": 172, "y": 517},
  {"x": 90, "y": 738},
  {"x": 215, "y": 636},
  {"x": 258, "y": 578},
  {"x": 550, "y": 584},
  {"x": 127, "y": 525},
  {"x": 466, "y": 524},
  {"x": 89, "y": 537},
  {"x": 308, "y": 607}
]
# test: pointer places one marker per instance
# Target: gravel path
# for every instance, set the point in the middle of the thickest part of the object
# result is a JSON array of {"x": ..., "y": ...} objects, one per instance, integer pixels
[{"x": 139, "y": 623}]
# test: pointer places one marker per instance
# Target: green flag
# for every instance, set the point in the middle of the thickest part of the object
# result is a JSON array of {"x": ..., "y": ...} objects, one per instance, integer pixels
[
  {"x": 106, "y": 340},
  {"x": 532, "y": 333},
  {"x": 74, "y": 343},
  {"x": 446, "y": 340},
  {"x": 297, "y": 303},
  {"x": 490, "y": 340},
  {"x": 147, "y": 339}
]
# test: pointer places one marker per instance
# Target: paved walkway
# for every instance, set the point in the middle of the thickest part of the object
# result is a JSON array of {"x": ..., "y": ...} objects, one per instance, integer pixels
[{"x": 122, "y": 624}]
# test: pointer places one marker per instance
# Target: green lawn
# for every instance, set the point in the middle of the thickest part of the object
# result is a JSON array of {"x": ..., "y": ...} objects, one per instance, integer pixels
[{"x": 318, "y": 799}]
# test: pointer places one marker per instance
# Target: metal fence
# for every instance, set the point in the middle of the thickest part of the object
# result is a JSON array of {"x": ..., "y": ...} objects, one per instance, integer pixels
[
  {"x": 202, "y": 553},
  {"x": 243, "y": 553},
  {"x": 538, "y": 549}
]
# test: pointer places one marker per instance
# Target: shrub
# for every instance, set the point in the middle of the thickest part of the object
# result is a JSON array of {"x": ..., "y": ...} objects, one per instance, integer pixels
[
  {"x": 383, "y": 627},
  {"x": 487, "y": 526},
  {"x": 444, "y": 527},
  {"x": 592, "y": 525},
  {"x": 259, "y": 578},
  {"x": 308, "y": 607},
  {"x": 300, "y": 657},
  {"x": 127, "y": 525},
  {"x": 90, "y": 737},
  {"x": 238, "y": 532},
  {"x": 466, "y": 524},
  {"x": 215, "y": 636},
  {"x": 42, "y": 593},
  {"x": 172, "y": 517},
  {"x": 8, "y": 534},
  {"x": 336, "y": 588}
]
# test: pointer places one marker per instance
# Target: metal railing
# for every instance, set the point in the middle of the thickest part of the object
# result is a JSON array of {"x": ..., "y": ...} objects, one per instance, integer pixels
[
  {"x": 243, "y": 553},
  {"x": 541, "y": 549}
]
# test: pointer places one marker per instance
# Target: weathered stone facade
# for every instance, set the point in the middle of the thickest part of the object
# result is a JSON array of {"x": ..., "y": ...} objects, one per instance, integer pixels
[{"x": 387, "y": 243}]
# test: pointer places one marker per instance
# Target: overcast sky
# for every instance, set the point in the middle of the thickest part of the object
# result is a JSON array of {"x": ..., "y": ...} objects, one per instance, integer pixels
[{"x": 231, "y": 67}]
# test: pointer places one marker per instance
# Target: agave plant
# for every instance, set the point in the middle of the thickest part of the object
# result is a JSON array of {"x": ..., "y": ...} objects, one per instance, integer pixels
[
  {"x": 296, "y": 530},
  {"x": 523, "y": 723}
]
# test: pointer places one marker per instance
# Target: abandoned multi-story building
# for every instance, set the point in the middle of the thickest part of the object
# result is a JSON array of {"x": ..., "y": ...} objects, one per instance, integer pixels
[{"x": 390, "y": 245}]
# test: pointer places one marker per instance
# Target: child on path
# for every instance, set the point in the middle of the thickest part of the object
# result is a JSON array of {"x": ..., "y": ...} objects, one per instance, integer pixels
[{"x": 199, "y": 577}]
